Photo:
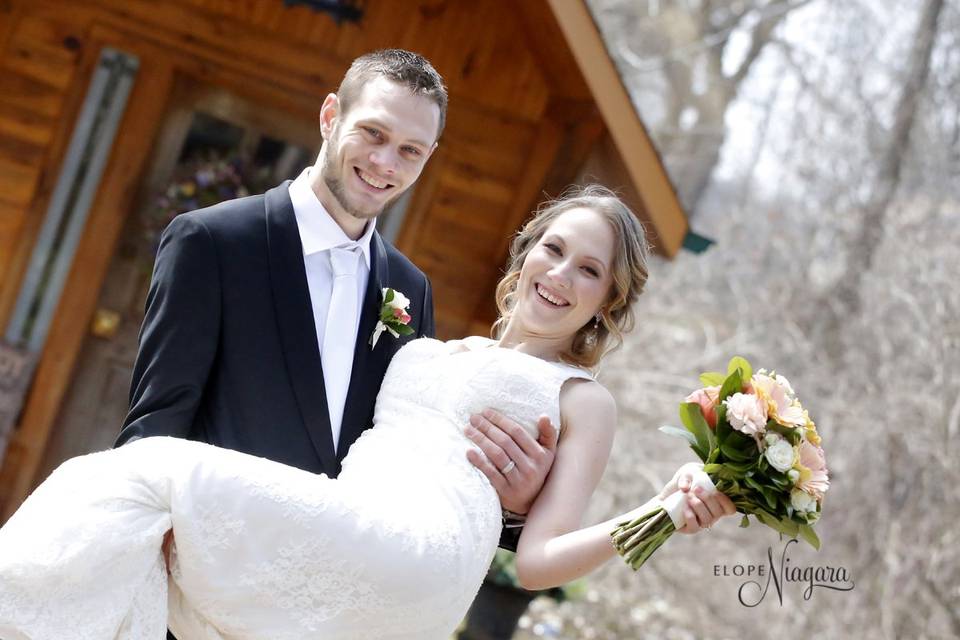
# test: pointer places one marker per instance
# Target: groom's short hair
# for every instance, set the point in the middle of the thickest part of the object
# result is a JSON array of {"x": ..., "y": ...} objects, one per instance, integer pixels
[{"x": 406, "y": 68}]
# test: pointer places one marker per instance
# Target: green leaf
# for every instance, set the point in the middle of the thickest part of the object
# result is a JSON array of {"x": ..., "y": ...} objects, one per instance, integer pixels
[
  {"x": 723, "y": 428},
  {"x": 808, "y": 534},
  {"x": 768, "y": 496},
  {"x": 790, "y": 527},
  {"x": 730, "y": 451},
  {"x": 403, "y": 329},
  {"x": 741, "y": 469},
  {"x": 736, "y": 362},
  {"x": 677, "y": 432},
  {"x": 774, "y": 523},
  {"x": 388, "y": 296},
  {"x": 784, "y": 526},
  {"x": 712, "y": 378},
  {"x": 753, "y": 484},
  {"x": 744, "y": 522},
  {"x": 719, "y": 471},
  {"x": 767, "y": 519},
  {"x": 733, "y": 384},
  {"x": 780, "y": 480},
  {"x": 693, "y": 419}
]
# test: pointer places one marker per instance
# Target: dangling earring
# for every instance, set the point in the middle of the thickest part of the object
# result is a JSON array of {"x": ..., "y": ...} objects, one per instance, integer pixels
[{"x": 596, "y": 322}]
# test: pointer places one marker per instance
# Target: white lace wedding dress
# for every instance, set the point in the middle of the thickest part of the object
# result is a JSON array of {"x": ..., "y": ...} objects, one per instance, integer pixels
[{"x": 396, "y": 547}]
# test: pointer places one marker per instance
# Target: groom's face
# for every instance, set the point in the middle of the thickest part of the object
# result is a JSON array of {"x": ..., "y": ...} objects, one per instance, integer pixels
[{"x": 373, "y": 152}]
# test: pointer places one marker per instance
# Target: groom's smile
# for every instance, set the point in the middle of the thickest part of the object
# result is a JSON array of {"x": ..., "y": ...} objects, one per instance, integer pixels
[{"x": 371, "y": 180}]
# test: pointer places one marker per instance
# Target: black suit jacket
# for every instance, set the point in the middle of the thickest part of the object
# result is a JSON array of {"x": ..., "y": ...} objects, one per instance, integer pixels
[{"x": 228, "y": 349}]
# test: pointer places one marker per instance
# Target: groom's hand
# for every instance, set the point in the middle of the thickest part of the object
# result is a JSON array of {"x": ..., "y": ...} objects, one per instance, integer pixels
[{"x": 516, "y": 463}]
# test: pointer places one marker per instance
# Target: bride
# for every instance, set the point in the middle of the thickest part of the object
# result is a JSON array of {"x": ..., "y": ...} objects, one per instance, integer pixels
[{"x": 267, "y": 551}]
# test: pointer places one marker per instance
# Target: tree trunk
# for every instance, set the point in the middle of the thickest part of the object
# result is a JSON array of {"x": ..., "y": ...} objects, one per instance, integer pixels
[{"x": 863, "y": 251}]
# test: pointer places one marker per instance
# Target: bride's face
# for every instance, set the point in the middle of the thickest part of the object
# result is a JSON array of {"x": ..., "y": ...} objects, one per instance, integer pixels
[{"x": 566, "y": 277}]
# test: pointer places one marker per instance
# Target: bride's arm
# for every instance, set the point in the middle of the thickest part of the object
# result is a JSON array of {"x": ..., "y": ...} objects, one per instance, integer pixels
[{"x": 553, "y": 550}]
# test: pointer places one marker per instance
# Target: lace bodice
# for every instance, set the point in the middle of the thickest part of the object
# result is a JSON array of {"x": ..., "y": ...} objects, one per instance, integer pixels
[{"x": 462, "y": 377}]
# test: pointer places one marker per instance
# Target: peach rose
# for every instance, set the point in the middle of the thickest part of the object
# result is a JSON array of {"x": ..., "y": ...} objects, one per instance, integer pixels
[{"x": 707, "y": 399}]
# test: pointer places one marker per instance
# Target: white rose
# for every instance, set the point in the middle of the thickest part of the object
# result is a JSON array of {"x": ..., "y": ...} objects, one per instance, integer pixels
[
  {"x": 746, "y": 413},
  {"x": 780, "y": 455},
  {"x": 793, "y": 475},
  {"x": 399, "y": 301},
  {"x": 802, "y": 502},
  {"x": 772, "y": 439}
]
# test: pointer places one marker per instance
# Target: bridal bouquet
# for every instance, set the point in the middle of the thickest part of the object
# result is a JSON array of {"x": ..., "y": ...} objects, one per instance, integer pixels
[{"x": 759, "y": 447}]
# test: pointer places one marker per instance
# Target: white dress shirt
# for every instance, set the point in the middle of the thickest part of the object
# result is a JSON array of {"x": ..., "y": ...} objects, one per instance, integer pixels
[{"x": 319, "y": 233}]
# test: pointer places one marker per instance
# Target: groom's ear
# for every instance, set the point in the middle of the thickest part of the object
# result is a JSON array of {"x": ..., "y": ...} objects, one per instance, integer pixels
[{"x": 329, "y": 112}]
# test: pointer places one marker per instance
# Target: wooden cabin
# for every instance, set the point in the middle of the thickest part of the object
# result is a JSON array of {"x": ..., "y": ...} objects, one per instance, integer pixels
[{"x": 103, "y": 101}]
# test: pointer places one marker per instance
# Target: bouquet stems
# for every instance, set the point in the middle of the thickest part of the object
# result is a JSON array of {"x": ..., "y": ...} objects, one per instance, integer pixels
[{"x": 637, "y": 539}]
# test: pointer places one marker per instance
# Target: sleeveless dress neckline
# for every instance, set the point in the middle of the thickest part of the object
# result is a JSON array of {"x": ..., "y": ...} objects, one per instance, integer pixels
[{"x": 489, "y": 343}]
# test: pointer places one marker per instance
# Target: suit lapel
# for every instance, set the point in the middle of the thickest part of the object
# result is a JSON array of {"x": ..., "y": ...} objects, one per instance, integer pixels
[
  {"x": 298, "y": 333},
  {"x": 368, "y": 364}
]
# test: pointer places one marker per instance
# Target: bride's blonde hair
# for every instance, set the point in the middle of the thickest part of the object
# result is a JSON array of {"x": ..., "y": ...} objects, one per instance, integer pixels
[{"x": 629, "y": 269}]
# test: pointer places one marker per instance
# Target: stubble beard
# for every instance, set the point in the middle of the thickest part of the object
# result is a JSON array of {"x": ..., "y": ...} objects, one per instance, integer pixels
[{"x": 336, "y": 187}]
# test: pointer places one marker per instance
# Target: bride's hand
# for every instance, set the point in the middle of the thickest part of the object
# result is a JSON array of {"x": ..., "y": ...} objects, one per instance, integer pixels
[{"x": 703, "y": 509}]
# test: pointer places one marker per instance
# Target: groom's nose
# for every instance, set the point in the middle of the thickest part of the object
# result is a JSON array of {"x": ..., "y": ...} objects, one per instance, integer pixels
[{"x": 385, "y": 160}]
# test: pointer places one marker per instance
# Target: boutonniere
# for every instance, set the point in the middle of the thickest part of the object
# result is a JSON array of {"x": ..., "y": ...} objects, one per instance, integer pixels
[{"x": 393, "y": 316}]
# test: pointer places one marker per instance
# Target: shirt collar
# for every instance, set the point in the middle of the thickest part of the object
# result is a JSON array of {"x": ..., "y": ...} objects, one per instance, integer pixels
[{"x": 318, "y": 230}]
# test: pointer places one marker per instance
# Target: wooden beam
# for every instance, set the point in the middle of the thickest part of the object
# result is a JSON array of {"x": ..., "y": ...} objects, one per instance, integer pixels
[
  {"x": 639, "y": 154},
  {"x": 546, "y": 43}
]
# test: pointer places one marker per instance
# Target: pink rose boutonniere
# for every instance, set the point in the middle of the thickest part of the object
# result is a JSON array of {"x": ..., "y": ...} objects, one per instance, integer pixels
[{"x": 393, "y": 316}]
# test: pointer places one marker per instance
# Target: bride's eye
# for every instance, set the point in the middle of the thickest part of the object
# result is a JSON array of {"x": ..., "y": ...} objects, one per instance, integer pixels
[{"x": 552, "y": 248}]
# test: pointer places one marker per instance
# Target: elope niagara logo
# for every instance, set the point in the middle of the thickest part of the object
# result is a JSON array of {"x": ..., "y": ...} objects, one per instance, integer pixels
[{"x": 761, "y": 576}]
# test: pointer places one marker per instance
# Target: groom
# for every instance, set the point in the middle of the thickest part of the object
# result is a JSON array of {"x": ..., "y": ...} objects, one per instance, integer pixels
[{"x": 259, "y": 319}]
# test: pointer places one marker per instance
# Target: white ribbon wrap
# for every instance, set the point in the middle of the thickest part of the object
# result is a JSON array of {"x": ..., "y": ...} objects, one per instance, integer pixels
[{"x": 675, "y": 503}]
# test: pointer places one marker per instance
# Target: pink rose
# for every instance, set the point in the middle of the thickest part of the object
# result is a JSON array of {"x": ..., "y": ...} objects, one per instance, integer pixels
[
  {"x": 746, "y": 413},
  {"x": 401, "y": 315},
  {"x": 707, "y": 399}
]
